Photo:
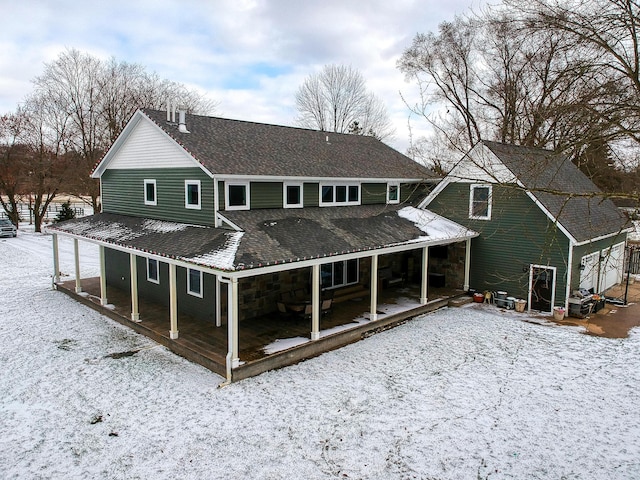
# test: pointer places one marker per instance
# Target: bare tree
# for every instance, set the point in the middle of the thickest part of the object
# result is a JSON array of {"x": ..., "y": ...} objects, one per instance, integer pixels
[{"x": 336, "y": 100}]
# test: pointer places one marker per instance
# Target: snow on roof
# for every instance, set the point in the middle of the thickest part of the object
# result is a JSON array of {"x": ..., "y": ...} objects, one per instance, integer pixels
[{"x": 435, "y": 226}]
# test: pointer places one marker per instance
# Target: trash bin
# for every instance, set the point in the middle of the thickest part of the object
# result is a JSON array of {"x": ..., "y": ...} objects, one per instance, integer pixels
[{"x": 558, "y": 313}]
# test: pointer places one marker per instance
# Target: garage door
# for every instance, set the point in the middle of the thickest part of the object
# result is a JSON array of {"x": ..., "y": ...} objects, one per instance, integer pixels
[{"x": 611, "y": 267}]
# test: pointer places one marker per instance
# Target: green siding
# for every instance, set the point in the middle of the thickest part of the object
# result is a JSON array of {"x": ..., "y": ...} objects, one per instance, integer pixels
[
  {"x": 266, "y": 195},
  {"x": 518, "y": 234},
  {"x": 373, "y": 193},
  {"x": 311, "y": 194},
  {"x": 413, "y": 192},
  {"x": 119, "y": 274},
  {"x": 123, "y": 193}
]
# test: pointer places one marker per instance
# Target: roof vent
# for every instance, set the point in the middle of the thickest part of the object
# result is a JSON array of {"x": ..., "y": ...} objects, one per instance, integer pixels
[{"x": 182, "y": 126}]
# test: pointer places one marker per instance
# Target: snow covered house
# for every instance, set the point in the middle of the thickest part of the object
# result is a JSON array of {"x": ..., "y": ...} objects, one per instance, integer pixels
[
  {"x": 545, "y": 229},
  {"x": 240, "y": 224}
]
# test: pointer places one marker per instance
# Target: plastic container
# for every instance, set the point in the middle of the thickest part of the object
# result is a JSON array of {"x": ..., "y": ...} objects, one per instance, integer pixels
[
  {"x": 558, "y": 313},
  {"x": 520, "y": 305}
]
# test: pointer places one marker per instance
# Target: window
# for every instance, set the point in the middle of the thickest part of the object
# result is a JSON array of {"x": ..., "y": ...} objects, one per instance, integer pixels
[
  {"x": 194, "y": 282},
  {"x": 150, "y": 192},
  {"x": 393, "y": 193},
  {"x": 293, "y": 195},
  {"x": 480, "y": 202},
  {"x": 337, "y": 274},
  {"x": 192, "y": 194},
  {"x": 153, "y": 274},
  {"x": 237, "y": 196},
  {"x": 339, "y": 194}
]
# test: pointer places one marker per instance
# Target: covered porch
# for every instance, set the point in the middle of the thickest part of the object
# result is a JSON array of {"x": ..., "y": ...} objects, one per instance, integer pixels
[{"x": 266, "y": 342}]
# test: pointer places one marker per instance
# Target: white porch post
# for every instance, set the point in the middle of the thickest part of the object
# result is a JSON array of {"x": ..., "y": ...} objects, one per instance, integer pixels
[
  {"x": 232, "y": 321},
  {"x": 173, "y": 302},
  {"x": 135, "y": 314},
  {"x": 467, "y": 265},
  {"x": 373, "y": 315},
  {"x": 218, "y": 303},
  {"x": 76, "y": 254},
  {"x": 425, "y": 276},
  {"x": 56, "y": 261},
  {"x": 315, "y": 302},
  {"x": 103, "y": 278}
]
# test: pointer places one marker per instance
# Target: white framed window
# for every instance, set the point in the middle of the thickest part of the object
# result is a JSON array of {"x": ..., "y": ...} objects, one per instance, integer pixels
[
  {"x": 292, "y": 194},
  {"x": 194, "y": 282},
  {"x": 153, "y": 270},
  {"x": 338, "y": 274},
  {"x": 480, "y": 202},
  {"x": 338, "y": 194},
  {"x": 192, "y": 194},
  {"x": 150, "y": 195},
  {"x": 236, "y": 195},
  {"x": 393, "y": 193}
]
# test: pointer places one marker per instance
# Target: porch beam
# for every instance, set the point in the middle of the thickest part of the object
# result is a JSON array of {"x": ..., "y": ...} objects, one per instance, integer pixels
[
  {"x": 218, "y": 302},
  {"x": 467, "y": 264},
  {"x": 424, "y": 290},
  {"x": 173, "y": 303},
  {"x": 103, "y": 278},
  {"x": 233, "y": 322},
  {"x": 315, "y": 302},
  {"x": 56, "y": 260},
  {"x": 133, "y": 266},
  {"x": 76, "y": 255},
  {"x": 373, "y": 315}
]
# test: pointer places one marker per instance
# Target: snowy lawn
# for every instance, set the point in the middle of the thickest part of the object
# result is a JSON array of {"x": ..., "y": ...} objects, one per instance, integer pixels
[{"x": 459, "y": 394}]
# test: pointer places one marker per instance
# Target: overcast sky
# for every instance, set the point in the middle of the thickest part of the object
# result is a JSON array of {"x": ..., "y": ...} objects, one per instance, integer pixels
[{"x": 249, "y": 55}]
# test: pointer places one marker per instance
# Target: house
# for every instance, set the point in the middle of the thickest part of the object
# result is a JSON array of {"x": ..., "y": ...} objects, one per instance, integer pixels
[
  {"x": 228, "y": 221},
  {"x": 545, "y": 229}
]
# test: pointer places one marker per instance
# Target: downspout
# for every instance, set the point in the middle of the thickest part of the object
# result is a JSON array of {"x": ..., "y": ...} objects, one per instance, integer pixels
[{"x": 229, "y": 355}]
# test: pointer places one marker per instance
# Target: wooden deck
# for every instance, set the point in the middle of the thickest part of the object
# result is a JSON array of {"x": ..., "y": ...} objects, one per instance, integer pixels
[{"x": 202, "y": 342}]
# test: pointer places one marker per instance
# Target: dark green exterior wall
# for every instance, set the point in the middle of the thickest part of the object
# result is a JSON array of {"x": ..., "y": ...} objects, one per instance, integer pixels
[
  {"x": 266, "y": 195},
  {"x": 373, "y": 193},
  {"x": 518, "y": 234},
  {"x": 123, "y": 193},
  {"x": 311, "y": 194},
  {"x": 119, "y": 273}
]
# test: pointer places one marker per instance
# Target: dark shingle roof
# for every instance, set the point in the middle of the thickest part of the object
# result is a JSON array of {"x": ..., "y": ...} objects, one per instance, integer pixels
[
  {"x": 552, "y": 179},
  {"x": 270, "y": 236},
  {"x": 233, "y": 147}
]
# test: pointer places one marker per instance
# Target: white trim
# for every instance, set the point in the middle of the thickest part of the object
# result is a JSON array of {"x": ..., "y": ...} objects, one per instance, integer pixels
[
  {"x": 334, "y": 186},
  {"x": 553, "y": 286},
  {"x": 153, "y": 280},
  {"x": 602, "y": 237},
  {"x": 472, "y": 189},
  {"x": 124, "y": 135},
  {"x": 190, "y": 291},
  {"x": 390, "y": 185},
  {"x": 151, "y": 181},
  {"x": 247, "y": 192},
  {"x": 285, "y": 185},
  {"x": 313, "y": 179},
  {"x": 191, "y": 206}
]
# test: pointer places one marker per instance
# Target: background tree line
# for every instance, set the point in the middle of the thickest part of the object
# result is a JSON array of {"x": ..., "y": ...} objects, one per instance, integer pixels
[
  {"x": 78, "y": 106},
  {"x": 556, "y": 74}
]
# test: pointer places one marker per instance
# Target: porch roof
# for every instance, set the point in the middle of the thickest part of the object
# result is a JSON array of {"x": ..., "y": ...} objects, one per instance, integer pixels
[{"x": 271, "y": 236}]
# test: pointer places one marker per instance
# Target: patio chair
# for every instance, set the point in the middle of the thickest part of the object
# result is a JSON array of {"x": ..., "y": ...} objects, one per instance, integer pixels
[
  {"x": 282, "y": 309},
  {"x": 325, "y": 307}
]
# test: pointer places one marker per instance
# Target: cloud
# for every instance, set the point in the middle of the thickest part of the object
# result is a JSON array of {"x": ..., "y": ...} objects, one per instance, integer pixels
[{"x": 251, "y": 56}]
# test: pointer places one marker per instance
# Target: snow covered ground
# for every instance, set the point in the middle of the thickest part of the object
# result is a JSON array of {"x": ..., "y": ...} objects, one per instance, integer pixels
[{"x": 468, "y": 393}]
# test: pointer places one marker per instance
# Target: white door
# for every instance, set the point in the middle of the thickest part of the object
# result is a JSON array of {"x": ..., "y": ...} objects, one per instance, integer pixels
[
  {"x": 611, "y": 266},
  {"x": 589, "y": 271}
]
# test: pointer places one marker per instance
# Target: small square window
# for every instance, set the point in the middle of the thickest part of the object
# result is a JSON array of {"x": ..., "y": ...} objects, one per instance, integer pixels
[
  {"x": 150, "y": 192},
  {"x": 327, "y": 194},
  {"x": 237, "y": 196},
  {"x": 192, "y": 194},
  {"x": 393, "y": 193},
  {"x": 480, "y": 202},
  {"x": 194, "y": 282},
  {"x": 341, "y": 193},
  {"x": 153, "y": 274},
  {"x": 292, "y": 195},
  {"x": 354, "y": 193}
]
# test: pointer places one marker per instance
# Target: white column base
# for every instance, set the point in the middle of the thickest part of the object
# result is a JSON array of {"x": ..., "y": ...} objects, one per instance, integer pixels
[
  {"x": 104, "y": 302},
  {"x": 78, "y": 289},
  {"x": 235, "y": 363},
  {"x": 135, "y": 317},
  {"x": 373, "y": 317},
  {"x": 424, "y": 300},
  {"x": 173, "y": 335},
  {"x": 315, "y": 335}
]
